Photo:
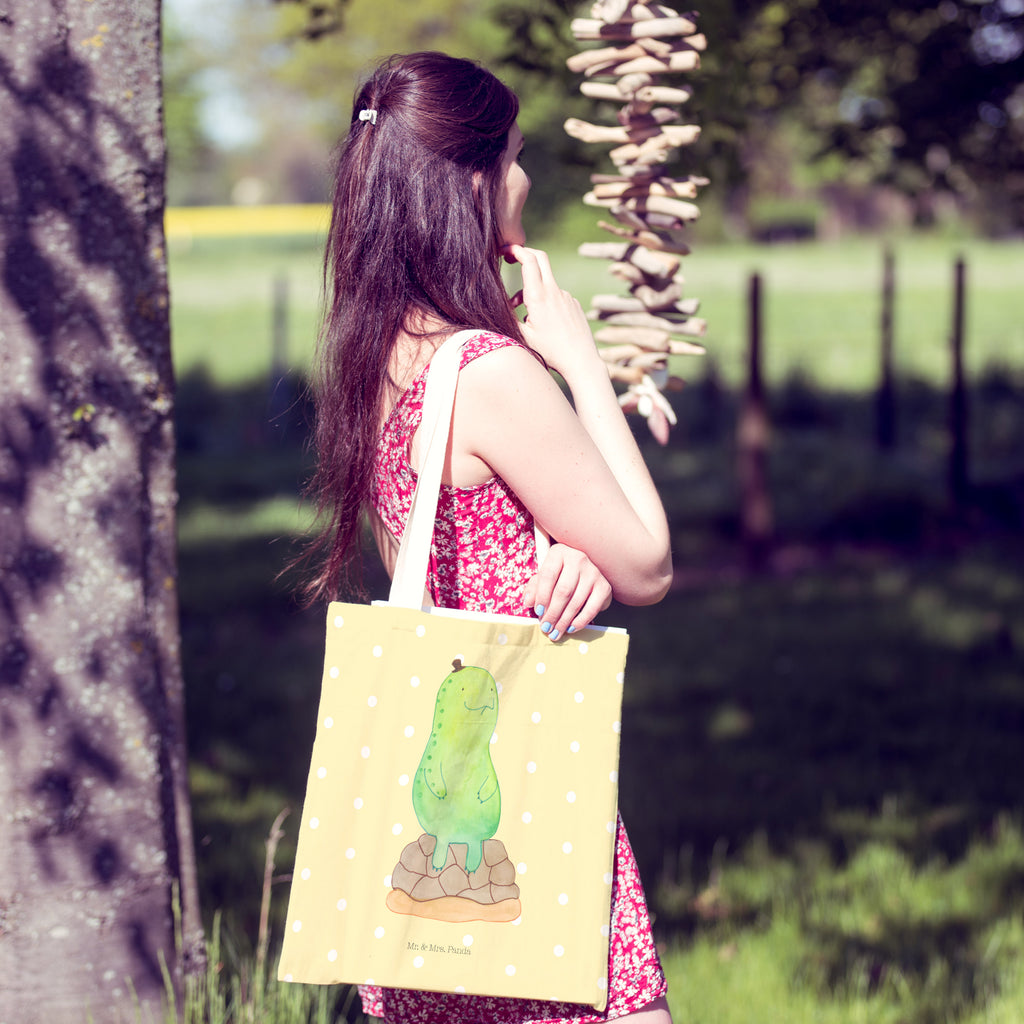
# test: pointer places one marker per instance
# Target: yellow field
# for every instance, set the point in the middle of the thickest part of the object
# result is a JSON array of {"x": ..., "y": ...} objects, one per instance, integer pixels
[{"x": 187, "y": 222}]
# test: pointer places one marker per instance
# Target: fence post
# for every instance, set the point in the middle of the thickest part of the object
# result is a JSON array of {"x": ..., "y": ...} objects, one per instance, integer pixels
[
  {"x": 958, "y": 469},
  {"x": 885, "y": 399},
  {"x": 280, "y": 398},
  {"x": 752, "y": 442}
]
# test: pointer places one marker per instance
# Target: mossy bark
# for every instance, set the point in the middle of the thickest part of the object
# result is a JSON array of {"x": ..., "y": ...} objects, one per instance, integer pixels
[{"x": 94, "y": 817}]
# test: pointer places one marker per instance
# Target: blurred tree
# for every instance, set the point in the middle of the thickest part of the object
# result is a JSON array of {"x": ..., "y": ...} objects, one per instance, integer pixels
[
  {"x": 921, "y": 94},
  {"x": 93, "y": 778},
  {"x": 189, "y": 149},
  {"x": 318, "y": 49}
]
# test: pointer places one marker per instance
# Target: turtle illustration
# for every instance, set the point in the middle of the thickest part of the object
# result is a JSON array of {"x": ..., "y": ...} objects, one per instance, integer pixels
[{"x": 455, "y": 791}]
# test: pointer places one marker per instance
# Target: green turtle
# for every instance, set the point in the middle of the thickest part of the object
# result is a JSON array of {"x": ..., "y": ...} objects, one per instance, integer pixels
[{"x": 455, "y": 792}]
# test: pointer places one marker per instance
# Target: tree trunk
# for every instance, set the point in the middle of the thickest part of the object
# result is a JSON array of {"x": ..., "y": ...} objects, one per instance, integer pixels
[{"x": 95, "y": 825}]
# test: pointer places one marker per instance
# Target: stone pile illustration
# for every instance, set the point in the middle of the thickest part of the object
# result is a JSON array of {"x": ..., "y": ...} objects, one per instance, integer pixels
[
  {"x": 650, "y": 208},
  {"x": 454, "y": 893}
]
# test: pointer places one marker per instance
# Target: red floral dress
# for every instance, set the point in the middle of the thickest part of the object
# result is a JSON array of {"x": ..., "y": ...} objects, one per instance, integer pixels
[{"x": 483, "y": 556}]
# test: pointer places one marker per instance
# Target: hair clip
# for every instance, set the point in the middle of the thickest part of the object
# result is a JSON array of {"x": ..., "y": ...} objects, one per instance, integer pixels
[{"x": 368, "y": 115}]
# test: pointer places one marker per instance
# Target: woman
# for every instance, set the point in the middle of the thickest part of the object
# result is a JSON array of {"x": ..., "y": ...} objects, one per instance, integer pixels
[{"x": 428, "y": 199}]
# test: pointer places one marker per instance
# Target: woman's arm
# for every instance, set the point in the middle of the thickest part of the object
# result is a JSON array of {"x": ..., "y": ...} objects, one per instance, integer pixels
[{"x": 579, "y": 472}]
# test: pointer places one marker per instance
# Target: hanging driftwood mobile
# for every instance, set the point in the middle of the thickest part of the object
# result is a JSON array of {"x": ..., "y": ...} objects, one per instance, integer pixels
[{"x": 640, "y": 330}]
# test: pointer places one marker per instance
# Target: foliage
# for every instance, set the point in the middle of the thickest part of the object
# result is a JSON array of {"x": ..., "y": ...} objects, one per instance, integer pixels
[{"x": 918, "y": 94}]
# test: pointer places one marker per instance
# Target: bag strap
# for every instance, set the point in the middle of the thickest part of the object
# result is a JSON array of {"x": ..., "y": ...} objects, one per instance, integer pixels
[{"x": 408, "y": 585}]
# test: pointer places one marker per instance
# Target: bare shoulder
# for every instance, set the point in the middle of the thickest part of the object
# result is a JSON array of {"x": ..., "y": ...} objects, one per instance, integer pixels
[
  {"x": 504, "y": 371},
  {"x": 508, "y": 402}
]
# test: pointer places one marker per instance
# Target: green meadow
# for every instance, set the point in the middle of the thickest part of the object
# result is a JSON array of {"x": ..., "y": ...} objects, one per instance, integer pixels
[
  {"x": 821, "y": 760},
  {"x": 822, "y": 304}
]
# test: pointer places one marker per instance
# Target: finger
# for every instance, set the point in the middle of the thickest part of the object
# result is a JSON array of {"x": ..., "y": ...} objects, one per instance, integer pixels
[
  {"x": 544, "y": 262},
  {"x": 536, "y": 266},
  {"x": 567, "y": 598},
  {"x": 598, "y": 601},
  {"x": 543, "y": 587},
  {"x": 531, "y": 270},
  {"x": 516, "y": 300},
  {"x": 530, "y": 593},
  {"x": 572, "y": 615}
]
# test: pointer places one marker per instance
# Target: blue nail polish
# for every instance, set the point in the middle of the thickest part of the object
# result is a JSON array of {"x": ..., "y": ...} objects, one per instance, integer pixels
[
  {"x": 571, "y": 629},
  {"x": 538, "y": 610},
  {"x": 545, "y": 627},
  {"x": 554, "y": 635}
]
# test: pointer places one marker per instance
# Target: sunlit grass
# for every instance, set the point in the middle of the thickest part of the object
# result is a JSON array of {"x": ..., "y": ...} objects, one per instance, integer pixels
[
  {"x": 275, "y": 517},
  {"x": 879, "y": 939}
]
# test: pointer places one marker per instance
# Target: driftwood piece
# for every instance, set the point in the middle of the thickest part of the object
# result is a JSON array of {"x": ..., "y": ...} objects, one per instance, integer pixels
[
  {"x": 653, "y": 177},
  {"x": 657, "y": 264},
  {"x": 632, "y": 304},
  {"x": 635, "y": 277},
  {"x": 643, "y": 94},
  {"x": 676, "y": 209},
  {"x": 663, "y": 47},
  {"x": 627, "y": 343},
  {"x": 644, "y": 220},
  {"x": 690, "y": 327},
  {"x": 658, "y": 298},
  {"x": 628, "y": 273},
  {"x": 593, "y": 28},
  {"x": 635, "y": 319},
  {"x": 684, "y": 60},
  {"x": 586, "y": 59},
  {"x": 635, "y": 81},
  {"x": 618, "y": 353},
  {"x": 625, "y": 374},
  {"x": 649, "y": 239},
  {"x": 650, "y": 361},
  {"x": 655, "y": 149},
  {"x": 629, "y": 218},
  {"x": 648, "y": 129},
  {"x": 594, "y": 62},
  {"x": 630, "y": 117},
  {"x": 607, "y": 193}
]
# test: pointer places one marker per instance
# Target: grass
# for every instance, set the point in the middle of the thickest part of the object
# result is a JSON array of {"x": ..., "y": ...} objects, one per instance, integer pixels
[
  {"x": 820, "y": 764},
  {"x": 877, "y": 940},
  {"x": 822, "y": 305}
]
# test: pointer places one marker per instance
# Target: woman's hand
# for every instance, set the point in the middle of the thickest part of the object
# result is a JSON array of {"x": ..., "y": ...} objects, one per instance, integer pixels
[
  {"x": 555, "y": 326},
  {"x": 567, "y": 592}
]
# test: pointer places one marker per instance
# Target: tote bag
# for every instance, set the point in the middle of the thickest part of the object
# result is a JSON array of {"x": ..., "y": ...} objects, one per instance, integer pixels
[{"x": 458, "y": 831}]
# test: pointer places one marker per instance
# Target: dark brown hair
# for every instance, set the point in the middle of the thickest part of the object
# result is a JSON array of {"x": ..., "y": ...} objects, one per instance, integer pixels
[{"x": 412, "y": 235}]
